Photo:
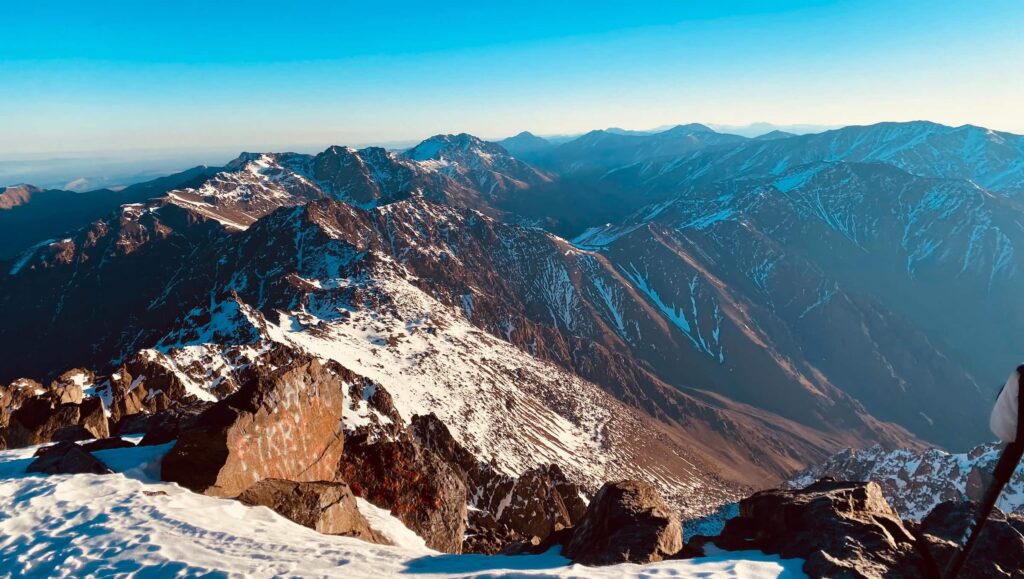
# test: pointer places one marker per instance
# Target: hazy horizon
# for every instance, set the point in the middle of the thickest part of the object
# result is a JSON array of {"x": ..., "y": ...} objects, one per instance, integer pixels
[{"x": 88, "y": 170}]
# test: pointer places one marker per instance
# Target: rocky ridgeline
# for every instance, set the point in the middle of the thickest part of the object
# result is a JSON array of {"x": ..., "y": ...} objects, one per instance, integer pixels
[
  {"x": 32, "y": 414},
  {"x": 280, "y": 441},
  {"x": 915, "y": 482},
  {"x": 848, "y": 529}
]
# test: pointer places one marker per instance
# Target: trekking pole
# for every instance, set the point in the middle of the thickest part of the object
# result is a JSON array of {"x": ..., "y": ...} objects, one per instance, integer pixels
[{"x": 1007, "y": 464}]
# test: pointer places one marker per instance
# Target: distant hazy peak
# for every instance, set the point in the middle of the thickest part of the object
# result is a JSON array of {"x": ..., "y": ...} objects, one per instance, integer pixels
[
  {"x": 773, "y": 135},
  {"x": 689, "y": 128}
]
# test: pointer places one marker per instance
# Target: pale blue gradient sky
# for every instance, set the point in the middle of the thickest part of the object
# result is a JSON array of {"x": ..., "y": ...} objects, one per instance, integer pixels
[{"x": 128, "y": 76}]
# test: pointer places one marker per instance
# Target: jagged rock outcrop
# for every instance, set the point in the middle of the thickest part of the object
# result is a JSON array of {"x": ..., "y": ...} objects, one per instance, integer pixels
[
  {"x": 283, "y": 423},
  {"x": 156, "y": 377},
  {"x": 506, "y": 509},
  {"x": 848, "y": 529},
  {"x": 15, "y": 394},
  {"x": 419, "y": 487},
  {"x": 66, "y": 458},
  {"x": 31, "y": 414},
  {"x": 627, "y": 521},
  {"x": 326, "y": 507},
  {"x": 128, "y": 397},
  {"x": 93, "y": 418},
  {"x": 915, "y": 482},
  {"x": 840, "y": 529},
  {"x": 999, "y": 551},
  {"x": 67, "y": 389},
  {"x": 526, "y": 509},
  {"x": 39, "y": 420}
]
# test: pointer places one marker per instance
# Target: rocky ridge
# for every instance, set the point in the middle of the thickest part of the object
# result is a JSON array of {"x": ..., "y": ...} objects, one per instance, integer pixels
[{"x": 915, "y": 482}]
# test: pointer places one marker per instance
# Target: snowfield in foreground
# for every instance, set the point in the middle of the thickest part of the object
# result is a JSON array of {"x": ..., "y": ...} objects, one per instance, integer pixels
[{"x": 129, "y": 524}]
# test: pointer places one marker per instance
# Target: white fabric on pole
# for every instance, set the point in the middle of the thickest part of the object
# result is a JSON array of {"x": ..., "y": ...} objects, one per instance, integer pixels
[{"x": 1003, "y": 421}]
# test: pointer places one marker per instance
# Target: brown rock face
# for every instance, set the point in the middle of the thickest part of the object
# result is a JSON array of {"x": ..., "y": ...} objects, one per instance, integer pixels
[
  {"x": 38, "y": 421},
  {"x": 507, "y": 509},
  {"x": 421, "y": 489},
  {"x": 999, "y": 551},
  {"x": 93, "y": 419},
  {"x": 14, "y": 395},
  {"x": 540, "y": 502},
  {"x": 626, "y": 522},
  {"x": 66, "y": 390},
  {"x": 127, "y": 400},
  {"x": 326, "y": 507},
  {"x": 156, "y": 376},
  {"x": 67, "y": 458},
  {"x": 284, "y": 424},
  {"x": 840, "y": 529}
]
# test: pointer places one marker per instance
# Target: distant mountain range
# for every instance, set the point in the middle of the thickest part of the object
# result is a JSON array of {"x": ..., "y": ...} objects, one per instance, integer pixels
[{"x": 710, "y": 310}]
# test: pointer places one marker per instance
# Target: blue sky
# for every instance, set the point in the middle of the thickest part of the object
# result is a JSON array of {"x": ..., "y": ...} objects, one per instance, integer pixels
[{"x": 218, "y": 76}]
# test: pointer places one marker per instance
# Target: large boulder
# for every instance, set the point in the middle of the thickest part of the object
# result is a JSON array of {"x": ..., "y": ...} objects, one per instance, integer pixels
[
  {"x": 38, "y": 420},
  {"x": 128, "y": 396},
  {"x": 326, "y": 507},
  {"x": 67, "y": 389},
  {"x": 999, "y": 551},
  {"x": 417, "y": 485},
  {"x": 67, "y": 458},
  {"x": 92, "y": 416},
  {"x": 283, "y": 423},
  {"x": 840, "y": 529},
  {"x": 15, "y": 394},
  {"x": 627, "y": 521}
]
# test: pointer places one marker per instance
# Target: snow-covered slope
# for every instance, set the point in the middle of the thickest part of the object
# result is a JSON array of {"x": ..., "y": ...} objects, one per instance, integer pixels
[
  {"x": 128, "y": 525},
  {"x": 510, "y": 409}
]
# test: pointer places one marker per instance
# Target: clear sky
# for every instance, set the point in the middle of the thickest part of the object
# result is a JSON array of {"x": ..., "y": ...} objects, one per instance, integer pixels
[{"x": 90, "y": 75}]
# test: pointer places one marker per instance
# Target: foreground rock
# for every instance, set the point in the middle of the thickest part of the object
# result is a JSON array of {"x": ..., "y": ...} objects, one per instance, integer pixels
[
  {"x": 66, "y": 458},
  {"x": 15, "y": 394},
  {"x": 417, "y": 485},
  {"x": 999, "y": 551},
  {"x": 93, "y": 418},
  {"x": 627, "y": 521},
  {"x": 67, "y": 389},
  {"x": 507, "y": 510},
  {"x": 39, "y": 420},
  {"x": 916, "y": 481},
  {"x": 840, "y": 529},
  {"x": 326, "y": 507},
  {"x": 283, "y": 423}
]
